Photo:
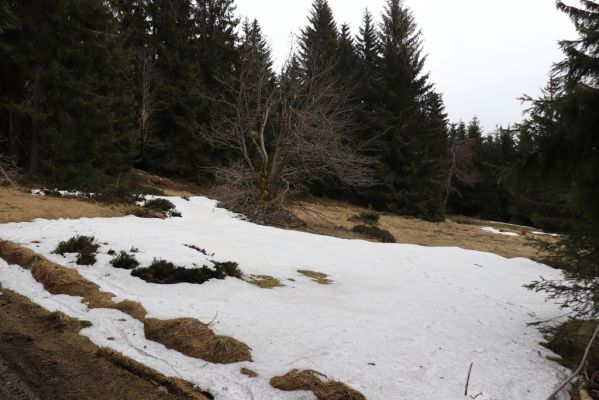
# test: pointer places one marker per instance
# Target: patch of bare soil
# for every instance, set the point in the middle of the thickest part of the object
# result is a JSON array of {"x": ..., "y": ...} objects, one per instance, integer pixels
[
  {"x": 335, "y": 218},
  {"x": 19, "y": 205},
  {"x": 43, "y": 356}
]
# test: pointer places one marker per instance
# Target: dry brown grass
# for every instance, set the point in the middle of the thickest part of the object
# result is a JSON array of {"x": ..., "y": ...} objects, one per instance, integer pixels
[
  {"x": 248, "y": 372},
  {"x": 335, "y": 219},
  {"x": 174, "y": 385},
  {"x": 317, "y": 277},
  {"x": 317, "y": 383},
  {"x": 263, "y": 281},
  {"x": 195, "y": 339},
  {"x": 19, "y": 205},
  {"x": 188, "y": 336}
]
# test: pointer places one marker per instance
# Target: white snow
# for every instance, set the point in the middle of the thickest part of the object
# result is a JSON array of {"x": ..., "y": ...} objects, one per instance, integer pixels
[
  {"x": 497, "y": 231},
  {"x": 398, "y": 321}
]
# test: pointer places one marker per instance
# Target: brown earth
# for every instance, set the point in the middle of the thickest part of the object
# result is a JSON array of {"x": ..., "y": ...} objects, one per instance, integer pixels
[
  {"x": 335, "y": 219},
  {"x": 19, "y": 205},
  {"x": 43, "y": 357}
]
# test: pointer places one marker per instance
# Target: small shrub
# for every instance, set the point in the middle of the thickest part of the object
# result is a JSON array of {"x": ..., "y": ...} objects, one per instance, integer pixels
[
  {"x": 125, "y": 261},
  {"x": 164, "y": 206},
  {"x": 159, "y": 205},
  {"x": 134, "y": 250},
  {"x": 374, "y": 233},
  {"x": 111, "y": 252},
  {"x": 165, "y": 272},
  {"x": 86, "y": 258},
  {"x": 369, "y": 217},
  {"x": 86, "y": 248}
]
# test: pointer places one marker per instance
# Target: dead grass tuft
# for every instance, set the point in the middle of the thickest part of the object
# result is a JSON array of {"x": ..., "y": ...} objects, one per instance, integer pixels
[
  {"x": 174, "y": 385},
  {"x": 195, "y": 339},
  {"x": 248, "y": 372},
  {"x": 317, "y": 383},
  {"x": 132, "y": 308},
  {"x": 61, "y": 322},
  {"x": 317, "y": 277},
  {"x": 264, "y": 281}
]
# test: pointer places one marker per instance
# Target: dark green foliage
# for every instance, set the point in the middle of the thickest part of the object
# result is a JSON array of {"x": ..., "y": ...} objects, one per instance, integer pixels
[
  {"x": 86, "y": 248},
  {"x": 111, "y": 252},
  {"x": 411, "y": 119},
  {"x": 164, "y": 272},
  {"x": 124, "y": 261},
  {"x": 68, "y": 98},
  {"x": 319, "y": 41},
  {"x": 563, "y": 146},
  {"x": 375, "y": 233}
]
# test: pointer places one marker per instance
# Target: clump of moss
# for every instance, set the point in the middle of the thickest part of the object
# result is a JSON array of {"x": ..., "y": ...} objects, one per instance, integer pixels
[
  {"x": 165, "y": 272},
  {"x": 86, "y": 248},
  {"x": 125, "y": 261},
  {"x": 375, "y": 233},
  {"x": 368, "y": 217}
]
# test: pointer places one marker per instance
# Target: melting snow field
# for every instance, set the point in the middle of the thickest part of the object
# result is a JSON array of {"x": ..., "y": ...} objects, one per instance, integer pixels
[{"x": 398, "y": 322}]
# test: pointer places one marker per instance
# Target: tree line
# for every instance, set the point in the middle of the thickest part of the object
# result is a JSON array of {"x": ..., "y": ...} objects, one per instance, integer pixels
[{"x": 92, "y": 88}]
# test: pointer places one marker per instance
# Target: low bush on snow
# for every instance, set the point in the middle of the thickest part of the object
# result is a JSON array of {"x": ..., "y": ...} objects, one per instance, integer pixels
[
  {"x": 165, "y": 272},
  {"x": 374, "y": 233},
  {"x": 125, "y": 261},
  {"x": 86, "y": 248},
  {"x": 162, "y": 205}
]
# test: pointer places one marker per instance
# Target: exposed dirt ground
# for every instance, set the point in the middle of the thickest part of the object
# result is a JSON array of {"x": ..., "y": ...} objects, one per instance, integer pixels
[
  {"x": 42, "y": 357},
  {"x": 334, "y": 218}
]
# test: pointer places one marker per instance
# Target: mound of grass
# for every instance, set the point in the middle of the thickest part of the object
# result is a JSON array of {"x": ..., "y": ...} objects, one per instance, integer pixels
[
  {"x": 317, "y": 383},
  {"x": 125, "y": 261},
  {"x": 86, "y": 248},
  {"x": 195, "y": 339},
  {"x": 368, "y": 217},
  {"x": 375, "y": 233},
  {"x": 165, "y": 272}
]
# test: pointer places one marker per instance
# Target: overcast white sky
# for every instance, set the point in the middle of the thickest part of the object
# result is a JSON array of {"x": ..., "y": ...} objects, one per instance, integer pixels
[{"x": 482, "y": 54}]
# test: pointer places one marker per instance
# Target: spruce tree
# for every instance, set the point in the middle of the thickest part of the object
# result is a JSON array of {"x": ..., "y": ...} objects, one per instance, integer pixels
[
  {"x": 411, "y": 149},
  {"x": 572, "y": 149},
  {"x": 70, "y": 106},
  {"x": 318, "y": 41}
]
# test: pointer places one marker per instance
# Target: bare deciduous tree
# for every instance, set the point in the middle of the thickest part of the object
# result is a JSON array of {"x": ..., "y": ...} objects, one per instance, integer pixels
[
  {"x": 461, "y": 168},
  {"x": 8, "y": 168},
  {"x": 285, "y": 134},
  {"x": 147, "y": 107}
]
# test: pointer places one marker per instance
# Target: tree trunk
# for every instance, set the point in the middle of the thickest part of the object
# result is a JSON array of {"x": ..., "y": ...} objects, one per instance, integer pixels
[
  {"x": 35, "y": 132},
  {"x": 12, "y": 136}
]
